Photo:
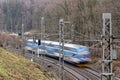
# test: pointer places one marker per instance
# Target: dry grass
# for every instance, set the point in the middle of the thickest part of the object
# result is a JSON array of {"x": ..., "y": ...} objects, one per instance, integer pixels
[{"x": 15, "y": 67}]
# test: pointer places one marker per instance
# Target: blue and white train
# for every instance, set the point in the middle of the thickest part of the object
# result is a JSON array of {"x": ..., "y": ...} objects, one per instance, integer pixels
[{"x": 73, "y": 53}]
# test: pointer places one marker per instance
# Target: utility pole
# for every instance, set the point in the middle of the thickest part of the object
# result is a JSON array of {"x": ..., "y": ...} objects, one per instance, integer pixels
[
  {"x": 42, "y": 28},
  {"x": 23, "y": 39},
  {"x": 16, "y": 37},
  {"x": 6, "y": 40},
  {"x": 42, "y": 37},
  {"x": 61, "y": 45},
  {"x": 33, "y": 49},
  {"x": 72, "y": 32},
  {"x": 16, "y": 29},
  {"x": 107, "y": 40}
]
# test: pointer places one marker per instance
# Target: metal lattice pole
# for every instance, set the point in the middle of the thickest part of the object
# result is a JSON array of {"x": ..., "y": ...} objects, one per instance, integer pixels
[
  {"x": 107, "y": 47},
  {"x": 61, "y": 44}
]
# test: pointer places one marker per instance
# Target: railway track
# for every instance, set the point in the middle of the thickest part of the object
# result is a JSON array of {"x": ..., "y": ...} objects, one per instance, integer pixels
[
  {"x": 73, "y": 72},
  {"x": 86, "y": 72},
  {"x": 73, "y": 75},
  {"x": 76, "y": 72}
]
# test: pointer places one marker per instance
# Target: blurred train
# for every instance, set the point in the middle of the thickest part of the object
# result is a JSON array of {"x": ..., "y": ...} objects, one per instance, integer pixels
[{"x": 75, "y": 54}]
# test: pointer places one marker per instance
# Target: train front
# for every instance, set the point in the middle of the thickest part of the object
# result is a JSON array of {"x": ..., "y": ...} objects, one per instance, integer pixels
[{"x": 83, "y": 56}]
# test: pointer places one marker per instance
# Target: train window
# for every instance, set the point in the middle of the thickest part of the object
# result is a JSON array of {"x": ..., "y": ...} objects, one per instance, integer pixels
[
  {"x": 29, "y": 41},
  {"x": 52, "y": 45},
  {"x": 70, "y": 49},
  {"x": 82, "y": 49}
]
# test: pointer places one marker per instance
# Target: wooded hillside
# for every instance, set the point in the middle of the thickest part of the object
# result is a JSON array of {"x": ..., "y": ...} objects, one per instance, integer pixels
[{"x": 85, "y": 15}]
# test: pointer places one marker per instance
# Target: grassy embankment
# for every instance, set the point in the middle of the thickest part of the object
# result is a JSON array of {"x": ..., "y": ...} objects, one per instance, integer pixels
[{"x": 15, "y": 67}]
